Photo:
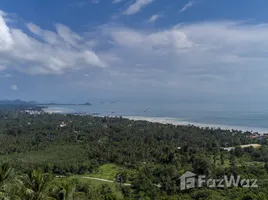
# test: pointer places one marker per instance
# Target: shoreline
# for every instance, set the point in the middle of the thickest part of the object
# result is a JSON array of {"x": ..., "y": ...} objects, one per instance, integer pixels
[
  {"x": 178, "y": 121},
  {"x": 169, "y": 120}
]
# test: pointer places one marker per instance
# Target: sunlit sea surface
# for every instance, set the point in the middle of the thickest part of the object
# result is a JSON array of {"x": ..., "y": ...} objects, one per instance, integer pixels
[{"x": 239, "y": 116}]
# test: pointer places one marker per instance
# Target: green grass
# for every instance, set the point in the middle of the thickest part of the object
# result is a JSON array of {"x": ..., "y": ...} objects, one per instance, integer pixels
[
  {"x": 98, "y": 183},
  {"x": 109, "y": 172},
  {"x": 106, "y": 171}
]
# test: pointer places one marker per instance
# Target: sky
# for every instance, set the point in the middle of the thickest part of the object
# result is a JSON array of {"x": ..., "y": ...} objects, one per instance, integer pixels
[{"x": 140, "y": 50}]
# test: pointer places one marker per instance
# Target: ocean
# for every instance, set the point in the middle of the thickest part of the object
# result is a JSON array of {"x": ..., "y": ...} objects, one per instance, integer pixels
[{"x": 239, "y": 116}]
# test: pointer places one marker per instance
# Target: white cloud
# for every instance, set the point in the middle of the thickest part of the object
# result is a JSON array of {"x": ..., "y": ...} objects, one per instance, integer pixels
[
  {"x": 136, "y": 6},
  {"x": 6, "y": 39},
  {"x": 153, "y": 18},
  {"x": 186, "y": 6},
  {"x": 219, "y": 57},
  {"x": 67, "y": 35},
  {"x": 34, "y": 29},
  {"x": 14, "y": 87},
  {"x": 198, "y": 58},
  {"x": 8, "y": 75},
  {"x": 95, "y": 1},
  {"x": 51, "y": 53},
  {"x": 117, "y": 1},
  {"x": 159, "y": 40},
  {"x": 2, "y": 13},
  {"x": 82, "y": 3}
]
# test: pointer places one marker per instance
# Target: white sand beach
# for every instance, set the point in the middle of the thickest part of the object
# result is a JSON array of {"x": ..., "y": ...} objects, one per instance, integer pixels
[{"x": 178, "y": 121}]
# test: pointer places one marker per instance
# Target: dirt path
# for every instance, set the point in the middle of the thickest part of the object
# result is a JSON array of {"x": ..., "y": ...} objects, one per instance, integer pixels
[{"x": 104, "y": 180}]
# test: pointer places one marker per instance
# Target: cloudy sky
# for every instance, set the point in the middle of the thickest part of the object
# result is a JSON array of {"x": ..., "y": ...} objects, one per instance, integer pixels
[{"x": 77, "y": 50}]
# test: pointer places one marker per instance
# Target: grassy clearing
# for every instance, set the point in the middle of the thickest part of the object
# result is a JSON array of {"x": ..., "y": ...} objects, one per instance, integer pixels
[
  {"x": 98, "y": 183},
  {"x": 106, "y": 171},
  {"x": 109, "y": 172}
]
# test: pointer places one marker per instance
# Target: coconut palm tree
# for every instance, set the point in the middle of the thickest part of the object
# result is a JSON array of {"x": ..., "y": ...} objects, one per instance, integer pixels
[
  {"x": 6, "y": 177},
  {"x": 35, "y": 185},
  {"x": 67, "y": 190}
]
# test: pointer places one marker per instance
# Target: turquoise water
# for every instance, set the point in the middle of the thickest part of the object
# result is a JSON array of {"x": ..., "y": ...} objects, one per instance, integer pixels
[{"x": 238, "y": 116}]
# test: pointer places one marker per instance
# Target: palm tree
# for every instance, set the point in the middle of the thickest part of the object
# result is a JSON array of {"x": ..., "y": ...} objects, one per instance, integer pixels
[
  {"x": 35, "y": 185},
  {"x": 67, "y": 190},
  {"x": 6, "y": 177}
]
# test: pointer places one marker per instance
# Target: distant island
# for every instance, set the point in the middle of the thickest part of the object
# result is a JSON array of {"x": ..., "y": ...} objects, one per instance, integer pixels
[
  {"x": 17, "y": 102},
  {"x": 29, "y": 103},
  {"x": 87, "y": 104},
  {"x": 65, "y": 104}
]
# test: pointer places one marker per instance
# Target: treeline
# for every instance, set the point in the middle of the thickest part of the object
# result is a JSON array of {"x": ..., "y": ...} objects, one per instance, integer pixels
[
  {"x": 36, "y": 185},
  {"x": 160, "y": 154}
]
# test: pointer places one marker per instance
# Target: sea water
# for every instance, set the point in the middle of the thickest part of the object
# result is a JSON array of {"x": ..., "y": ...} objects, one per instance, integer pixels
[{"x": 240, "y": 116}]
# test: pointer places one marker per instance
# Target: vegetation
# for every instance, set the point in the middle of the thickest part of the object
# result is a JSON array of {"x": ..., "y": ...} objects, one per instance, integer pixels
[{"x": 53, "y": 156}]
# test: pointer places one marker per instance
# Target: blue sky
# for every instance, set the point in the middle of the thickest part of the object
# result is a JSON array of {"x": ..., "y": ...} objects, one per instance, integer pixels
[{"x": 144, "y": 50}]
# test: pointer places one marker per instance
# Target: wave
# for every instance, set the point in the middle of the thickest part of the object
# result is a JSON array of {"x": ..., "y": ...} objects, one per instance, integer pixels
[{"x": 58, "y": 110}]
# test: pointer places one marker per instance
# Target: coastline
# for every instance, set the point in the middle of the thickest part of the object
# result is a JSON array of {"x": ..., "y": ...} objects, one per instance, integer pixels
[
  {"x": 178, "y": 121},
  {"x": 164, "y": 120},
  {"x": 57, "y": 110}
]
